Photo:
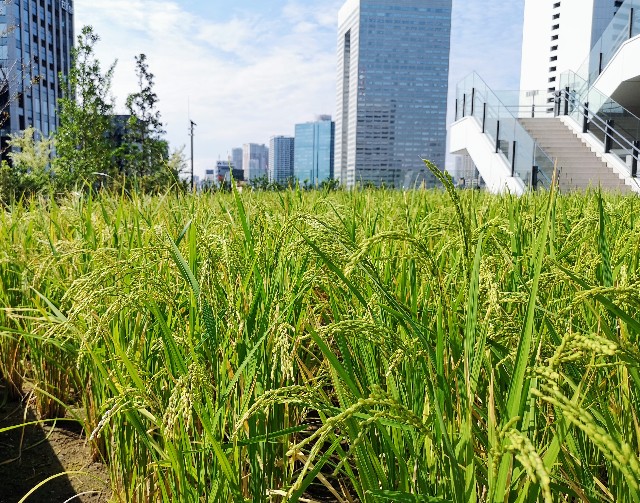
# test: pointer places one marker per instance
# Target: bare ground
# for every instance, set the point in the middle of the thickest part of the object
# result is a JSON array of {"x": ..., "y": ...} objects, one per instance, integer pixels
[{"x": 31, "y": 454}]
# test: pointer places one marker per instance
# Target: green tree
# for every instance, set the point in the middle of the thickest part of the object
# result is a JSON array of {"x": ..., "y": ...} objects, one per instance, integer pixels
[
  {"x": 146, "y": 150},
  {"x": 29, "y": 172},
  {"x": 84, "y": 141},
  {"x": 166, "y": 173}
]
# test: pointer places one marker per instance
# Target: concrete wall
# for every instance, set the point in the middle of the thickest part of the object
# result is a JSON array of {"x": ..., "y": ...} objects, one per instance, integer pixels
[{"x": 466, "y": 138}]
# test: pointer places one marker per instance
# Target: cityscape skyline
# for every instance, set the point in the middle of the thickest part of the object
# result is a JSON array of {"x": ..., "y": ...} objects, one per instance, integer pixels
[{"x": 239, "y": 67}]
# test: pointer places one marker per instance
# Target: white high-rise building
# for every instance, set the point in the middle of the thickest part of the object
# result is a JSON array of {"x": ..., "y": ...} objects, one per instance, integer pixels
[
  {"x": 255, "y": 161},
  {"x": 558, "y": 36}
]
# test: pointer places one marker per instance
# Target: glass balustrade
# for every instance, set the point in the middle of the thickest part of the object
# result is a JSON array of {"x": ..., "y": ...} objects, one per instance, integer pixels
[
  {"x": 616, "y": 128},
  {"x": 498, "y": 113},
  {"x": 625, "y": 25}
]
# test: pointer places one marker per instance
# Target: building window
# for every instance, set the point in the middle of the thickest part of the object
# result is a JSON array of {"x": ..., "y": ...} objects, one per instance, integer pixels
[
  {"x": 555, "y": 27},
  {"x": 556, "y": 16},
  {"x": 553, "y": 58},
  {"x": 552, "y": 79},
  {"x": 554, "y": 37},
  {"x": 556, "y": 5},
  {"x": 554, "y": 47},
  {"x": 552, "y": 68}
]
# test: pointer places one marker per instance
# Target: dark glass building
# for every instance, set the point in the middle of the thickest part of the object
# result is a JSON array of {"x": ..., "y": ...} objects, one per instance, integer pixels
[
  {"x": 36, "y": 37},
  {"x": 393, "y": 71}
]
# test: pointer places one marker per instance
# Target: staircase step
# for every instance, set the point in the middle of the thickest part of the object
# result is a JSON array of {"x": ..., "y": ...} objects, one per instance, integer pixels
[{"x": 580, "y": 167}]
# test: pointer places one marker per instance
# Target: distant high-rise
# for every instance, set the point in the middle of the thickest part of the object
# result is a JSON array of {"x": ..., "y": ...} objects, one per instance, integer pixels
[
  {"x": 209, "y": 176},
  {"x": 225, "y": 170},
  {"x": 558, "y": 35},
  {"x": 393, "y": 70},
  {"x": 314, "y": 151},
  {"x": 236, "y": 158},
  {"x": 281, "y": 152},
  {"x": 36, "y": 39},
  {"x": 255, "y": 161}
]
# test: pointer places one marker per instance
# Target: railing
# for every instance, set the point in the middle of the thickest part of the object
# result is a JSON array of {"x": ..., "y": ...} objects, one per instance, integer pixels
[
  {"x": 617, "y": 129},
  {"x": 624, "y": 26},
  {"x": 500, "y": 124}
]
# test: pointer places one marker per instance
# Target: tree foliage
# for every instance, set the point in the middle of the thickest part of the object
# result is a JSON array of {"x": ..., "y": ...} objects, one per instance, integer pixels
[
  {"x": 85, "y": 141},
  {"x": 146, "y": 152},
  {"x": 29, "y": 173}
]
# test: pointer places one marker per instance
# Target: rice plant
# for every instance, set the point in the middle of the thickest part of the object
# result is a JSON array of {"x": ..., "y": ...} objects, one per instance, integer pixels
[{"x": 365, "y": 346}]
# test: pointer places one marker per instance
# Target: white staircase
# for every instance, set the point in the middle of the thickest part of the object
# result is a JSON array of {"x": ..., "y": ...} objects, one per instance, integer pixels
[{"x": 579, "y": 166}]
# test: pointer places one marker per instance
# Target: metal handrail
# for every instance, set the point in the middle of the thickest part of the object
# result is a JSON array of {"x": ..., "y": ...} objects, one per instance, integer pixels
[
  {"x": 609, "y": 129},
  {"x": 573, "y": 100},
  {"x": 536, "y": 173}
]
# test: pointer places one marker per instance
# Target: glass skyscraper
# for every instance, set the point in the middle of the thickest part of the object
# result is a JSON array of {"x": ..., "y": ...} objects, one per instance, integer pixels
[
  {"x": 314, "y": 151},
  {"x": 255, "y": 161},
  {"x": 281, "y": 152},
  {"x": 36, "y": 38},
  {"x": 393, "y": 70}
]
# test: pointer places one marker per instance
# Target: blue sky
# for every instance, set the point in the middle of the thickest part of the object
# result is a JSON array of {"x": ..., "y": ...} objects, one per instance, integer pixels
[{"x": 245, "y": 70}]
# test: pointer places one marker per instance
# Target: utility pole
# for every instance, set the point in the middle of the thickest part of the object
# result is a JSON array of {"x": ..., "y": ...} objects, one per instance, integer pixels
[{"x": 193, "y": 124}]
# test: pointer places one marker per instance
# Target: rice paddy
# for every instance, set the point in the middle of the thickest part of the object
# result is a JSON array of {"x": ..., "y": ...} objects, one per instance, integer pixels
[{"x": 363, "y": 346}]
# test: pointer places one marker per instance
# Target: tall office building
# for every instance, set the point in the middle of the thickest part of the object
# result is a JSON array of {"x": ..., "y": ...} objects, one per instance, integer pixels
[
  {"x": 281, "y": 153},
  {"x": 36, "y": 39},
  {"x": 314, "y": 151},
  {"x": 558, "y": 35},
  {"x": 393, "y": 69},
  {"x": 255, "y": 161},
  {"x": 236, "y": 158}
]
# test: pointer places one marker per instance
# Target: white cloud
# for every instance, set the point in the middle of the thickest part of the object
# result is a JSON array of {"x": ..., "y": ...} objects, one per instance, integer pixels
[{"x": 245, "y": 78}]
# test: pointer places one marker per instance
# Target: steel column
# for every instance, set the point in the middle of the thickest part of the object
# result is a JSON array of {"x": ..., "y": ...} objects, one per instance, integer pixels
[
  {"x": 585, "y": 118},
  {"x": 608, "y": 130},
  {"x": 473, "y": 100},
  {"x": 484, "y": 118}
]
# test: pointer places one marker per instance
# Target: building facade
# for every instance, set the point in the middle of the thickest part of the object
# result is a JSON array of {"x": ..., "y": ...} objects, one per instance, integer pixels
[
  {"x": 281, "y": 154},
  {"x": 558, "y": 35},
  {"x": 36, "y": 39},
  {"x": 393, "y": 68},
  {"x": 314, "y": 155},
  {"x": 225, "y": 170},
  {"x": 209, "y": 177},
  {"x": 255, "y": 161},
  {"x": 236, "y": 158}
]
